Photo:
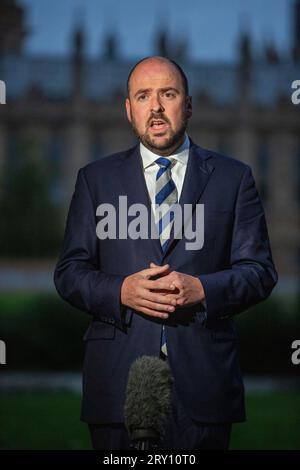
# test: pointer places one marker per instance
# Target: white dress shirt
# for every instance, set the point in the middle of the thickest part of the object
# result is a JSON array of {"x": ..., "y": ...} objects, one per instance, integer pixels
[{"x": 177, "y": 171}]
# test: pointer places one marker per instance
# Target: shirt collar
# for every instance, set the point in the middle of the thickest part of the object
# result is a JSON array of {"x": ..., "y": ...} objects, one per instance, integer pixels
[{"x": 181, "y": 155}]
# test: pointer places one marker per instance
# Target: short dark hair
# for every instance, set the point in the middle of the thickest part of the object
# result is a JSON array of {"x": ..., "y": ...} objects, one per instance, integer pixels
[{"x": 181, "y": 72}]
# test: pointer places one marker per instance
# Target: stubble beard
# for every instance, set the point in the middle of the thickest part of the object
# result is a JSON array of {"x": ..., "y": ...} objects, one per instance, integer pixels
[{"x": 173, "y": 141}]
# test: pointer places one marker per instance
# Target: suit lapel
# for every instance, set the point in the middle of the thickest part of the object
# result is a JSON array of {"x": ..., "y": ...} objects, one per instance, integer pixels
[
  {"x": 196, "y": 178},
  {"x": 133, "y": 182}
]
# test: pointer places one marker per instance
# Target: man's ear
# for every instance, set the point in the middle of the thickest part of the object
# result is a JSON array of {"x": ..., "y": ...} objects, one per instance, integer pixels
[
  {"x": 128, "y": 109},
  {"x": 189, "y": 106}
]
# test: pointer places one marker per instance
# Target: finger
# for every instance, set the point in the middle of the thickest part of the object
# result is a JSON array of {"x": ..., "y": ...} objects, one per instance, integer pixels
[
  {"x": 160, "y": 298},
  {"x": 177, "y": 284},
  {"x": 156, "y": 284},
  {"x": 161, "y": 274},
  {"x": 153, "y": 265},
  {"x": 153, "y": 313},
  {"x": 158, "y": 307},
  {"x": 154, "y": 271}
]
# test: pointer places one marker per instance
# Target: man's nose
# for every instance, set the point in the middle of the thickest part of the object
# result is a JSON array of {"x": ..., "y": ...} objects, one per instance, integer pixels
[{"x": 156, "y": 105}]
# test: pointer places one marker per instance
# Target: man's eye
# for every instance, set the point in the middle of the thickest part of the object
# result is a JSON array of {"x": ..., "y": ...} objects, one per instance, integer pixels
[
  {"x": 142, "y": 97},
  {"x": 170, "y": 94}
]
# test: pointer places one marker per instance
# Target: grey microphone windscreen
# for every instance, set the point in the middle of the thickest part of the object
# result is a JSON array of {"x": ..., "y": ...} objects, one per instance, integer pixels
[{"x": 148, "y": 398}]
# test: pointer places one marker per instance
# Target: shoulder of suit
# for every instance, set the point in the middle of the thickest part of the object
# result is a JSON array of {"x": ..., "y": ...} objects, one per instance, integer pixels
[
  {"x": 223, "y": 162},
  {"x": 107, "y": 163},
  {"x": 218, "y": 160}
]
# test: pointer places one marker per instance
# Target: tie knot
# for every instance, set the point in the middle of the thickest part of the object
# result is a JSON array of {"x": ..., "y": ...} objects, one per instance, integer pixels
[{"x": 164, "y": 162}]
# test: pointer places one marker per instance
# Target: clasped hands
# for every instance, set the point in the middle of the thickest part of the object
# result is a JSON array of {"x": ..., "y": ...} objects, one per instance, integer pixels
[{"x": 159, "y": 297}]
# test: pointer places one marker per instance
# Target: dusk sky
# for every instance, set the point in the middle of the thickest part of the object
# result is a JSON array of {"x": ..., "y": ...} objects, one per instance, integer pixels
[{"x": 210, "y": 26}]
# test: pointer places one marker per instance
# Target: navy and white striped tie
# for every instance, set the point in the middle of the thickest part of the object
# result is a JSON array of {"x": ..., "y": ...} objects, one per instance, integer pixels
[{"x": 165, "y": 197}]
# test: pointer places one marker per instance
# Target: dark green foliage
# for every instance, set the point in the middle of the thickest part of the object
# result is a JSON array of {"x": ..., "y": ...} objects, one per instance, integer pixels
[
  {"x": 266, "y": 333},
  {"x": 41, "y": 332},
  {"x": 31, "y": 224}
]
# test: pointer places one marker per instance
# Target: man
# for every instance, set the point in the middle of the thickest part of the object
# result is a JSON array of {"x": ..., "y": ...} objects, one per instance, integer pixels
[{"x": 154, "y": 296}]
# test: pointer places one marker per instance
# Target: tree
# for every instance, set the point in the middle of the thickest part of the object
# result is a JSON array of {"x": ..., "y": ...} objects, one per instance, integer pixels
[{"x": 31, "y": 224}]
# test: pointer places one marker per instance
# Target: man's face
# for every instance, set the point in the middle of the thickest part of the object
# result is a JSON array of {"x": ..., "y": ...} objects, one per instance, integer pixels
[{"x": 158, "y": 108}]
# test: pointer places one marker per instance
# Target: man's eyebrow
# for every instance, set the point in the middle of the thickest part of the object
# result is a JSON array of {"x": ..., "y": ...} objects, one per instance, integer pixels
[
  {"x": 168, "y": 88},
  {"x": 146, "y": 90},
  {"x": 142, "y": 90}
]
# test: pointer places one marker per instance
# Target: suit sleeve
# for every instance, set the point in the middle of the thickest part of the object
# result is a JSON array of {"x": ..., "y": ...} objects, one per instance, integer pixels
[
  {"x": 251, "y": 275},
  {"x": 77, "y": 277}
]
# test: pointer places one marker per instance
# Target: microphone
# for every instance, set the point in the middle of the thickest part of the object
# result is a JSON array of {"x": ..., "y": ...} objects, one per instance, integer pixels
[{"x": 147, "y": 402}]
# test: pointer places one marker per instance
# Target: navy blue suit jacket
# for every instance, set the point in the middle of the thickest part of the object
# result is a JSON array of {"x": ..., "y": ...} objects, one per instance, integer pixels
[{"x": 235, "y": 267}]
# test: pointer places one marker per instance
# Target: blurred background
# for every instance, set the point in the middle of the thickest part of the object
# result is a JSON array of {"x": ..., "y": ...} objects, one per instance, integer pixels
[{"x": 65, "y": 65}]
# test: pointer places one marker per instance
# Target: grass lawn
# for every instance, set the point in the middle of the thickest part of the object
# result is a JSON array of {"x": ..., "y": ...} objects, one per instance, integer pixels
[
  {"x": 273, "y": 422},
  {"x": 42, "y": 421},
  {"x": 51, "y": 421}
]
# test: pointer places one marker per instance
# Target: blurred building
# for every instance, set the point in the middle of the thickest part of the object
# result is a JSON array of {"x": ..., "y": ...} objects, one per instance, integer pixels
[{"x": 71, "y": 109}]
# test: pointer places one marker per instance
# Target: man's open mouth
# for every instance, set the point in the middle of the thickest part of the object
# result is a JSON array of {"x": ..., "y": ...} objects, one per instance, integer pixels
[{"x": 158, "y": 124}]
